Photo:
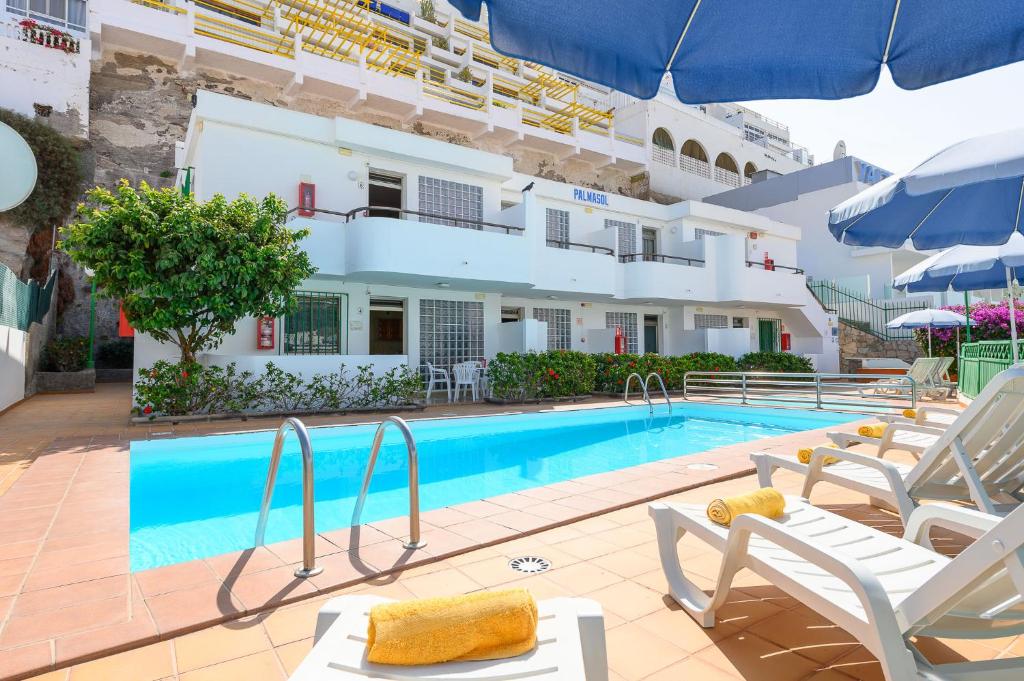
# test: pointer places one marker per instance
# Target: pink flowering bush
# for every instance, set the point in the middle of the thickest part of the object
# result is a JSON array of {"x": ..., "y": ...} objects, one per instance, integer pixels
[{"x": 989, "y": 321}]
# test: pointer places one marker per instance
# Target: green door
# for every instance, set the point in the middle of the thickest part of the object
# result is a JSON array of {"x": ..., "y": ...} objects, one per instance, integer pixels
[{"x": 768, "y": 335}]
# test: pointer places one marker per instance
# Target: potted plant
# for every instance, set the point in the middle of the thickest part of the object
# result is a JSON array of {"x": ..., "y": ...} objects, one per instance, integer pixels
[{"x": 64, "y": 367}]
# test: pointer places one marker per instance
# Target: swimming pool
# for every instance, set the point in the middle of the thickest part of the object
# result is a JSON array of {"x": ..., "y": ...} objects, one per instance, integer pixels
[{"x": 199, "y": 496}]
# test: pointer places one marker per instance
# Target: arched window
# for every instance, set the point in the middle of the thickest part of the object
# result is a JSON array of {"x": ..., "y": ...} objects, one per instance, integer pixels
[
  {"x": 726, "y": 170},
  {"x": 663, "y": 149},
  {"x": 749, "y": 169},
  {"x": 693, "y": 159}
]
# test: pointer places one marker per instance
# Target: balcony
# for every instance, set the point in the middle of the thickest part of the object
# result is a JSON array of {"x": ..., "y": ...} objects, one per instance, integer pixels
[
  {"x": 657, "y": 276},
  {"x": 572, "y": 267},
  {"x": 414, "y": 248}
]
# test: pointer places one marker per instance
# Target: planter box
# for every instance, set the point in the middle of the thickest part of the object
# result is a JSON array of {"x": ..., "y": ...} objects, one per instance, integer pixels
[
  {"x": 188, "y": 418},
  {"x": 66, "y": 381}
]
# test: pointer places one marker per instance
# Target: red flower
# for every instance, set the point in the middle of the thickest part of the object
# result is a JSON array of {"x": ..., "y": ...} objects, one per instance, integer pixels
[
  {"x": 632, "y": 364},
  {"x": 717, "y": 369},
  {"x": 551, "y": 372},
  {"x": 184, "y": 374},
  {"x": 147, "y": 410},
  {"x": 556, "y": 377}
]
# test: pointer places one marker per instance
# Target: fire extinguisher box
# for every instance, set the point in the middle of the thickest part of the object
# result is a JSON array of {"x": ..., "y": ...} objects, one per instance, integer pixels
[
  {"x": 265, "y": 333},
  {"x": 307, "y": 199}
]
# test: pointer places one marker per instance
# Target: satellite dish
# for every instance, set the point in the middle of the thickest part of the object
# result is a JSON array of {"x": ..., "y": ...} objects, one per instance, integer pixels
[
  {"x": 840, "y": 151},
  {"x": 18, "y": 171}
]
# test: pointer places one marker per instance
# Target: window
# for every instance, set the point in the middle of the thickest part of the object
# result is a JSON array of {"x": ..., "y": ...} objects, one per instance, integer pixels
[
  {"x": 559, "y": 327},
  {"x": 316, "y": 326},
  {"x": 558, "y": 227},
  {"x": 663, "y": 149},
  {"x": 739, "y": 322},
  {"x": 627, "y": 236},
  {"x": 649, "y": 242},
  {"x": 625, "y": 321},
  {"x": 62, "y": 13},
  {"x": 463, "y": 203},
  {"x": 701, "y": 234},
  {"x": 451, "y": 331},
  {"x": 710, "y": 321}
]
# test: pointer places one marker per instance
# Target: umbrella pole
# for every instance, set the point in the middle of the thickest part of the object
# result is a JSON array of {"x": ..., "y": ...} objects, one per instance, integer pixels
[
  {"x": 967, "y": 313},
  {"x": 929, "y": 340},
  {"x": 1013, "y": 316}
]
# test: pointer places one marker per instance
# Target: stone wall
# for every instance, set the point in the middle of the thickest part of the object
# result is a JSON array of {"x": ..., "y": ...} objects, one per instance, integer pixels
[{"x": 856, "y": 343}]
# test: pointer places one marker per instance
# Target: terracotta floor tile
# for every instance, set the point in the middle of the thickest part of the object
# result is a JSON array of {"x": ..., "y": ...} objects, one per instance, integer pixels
[
  {"x": 750, "y": 657},
  {"x": 339, "y": 569},
  {"x": 44, "y": 600},
  {"x": 491, "y": 572},
  {"x": 219, "y": 644},
  {"x": 442, "y": 542},
  {"x": 634, "y": 654},
  {"x": 393, "y": 527},
  {"x": 15, "y": 566},
  {"x": 148, "y": 663},
  {"x": 520, "y": 521},
  {"x": 586, "y": 548},
  {"x": 263, "y": 666},
  {"x": 189, "y": 608},
  {"x": 173, "y": 577},
  {"x": 628, "y": 600},
  {"x": 692, "y": 668},
  {"x": 59, "y": 576},
  {"x": 269, "y": 587},
  {"x": 671, "y": 622},
  {"x": 23, "y": 659},
  {"x": 582, "y": 578},
  {"x": 445, "y": 583},
  {"x": 626, "y": 563},
  {"x": 479, "y": 509},
  {"x": 74, "y": 618},
  {"x": 543, "y": 493},
  {"x": 386, "y": 556},
  {"x": 291, "y": 551},
  {"x": 138, "y": 630},
  {"x": 243, "y": 562},
  {"x": 482, "y": 530},
  {"x": 347, "y": 538},
  {"x": 443, "y": 517},
  {"x": 19, "y": 549},
  {"x": 291, "y": 654},
  {"x": 806, "y": 633},
  {"x": 292, "y": 622}
]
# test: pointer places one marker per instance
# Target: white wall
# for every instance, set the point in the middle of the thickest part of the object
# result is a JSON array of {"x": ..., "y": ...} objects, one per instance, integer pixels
[
  {"x": 33, "y": 74},
  {"x": 13, "y": 355}
]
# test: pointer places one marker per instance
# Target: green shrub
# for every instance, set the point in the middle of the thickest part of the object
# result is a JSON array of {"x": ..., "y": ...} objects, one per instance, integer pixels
[
  {"x": 66, "y": 354},
  {"x": 116, "y": 354},
  {"x": 613, "y": 370},
  {"x": 779, "y": 362},
  {"x": 533, "y": 375},
  {"x": 186, "y": 388}
]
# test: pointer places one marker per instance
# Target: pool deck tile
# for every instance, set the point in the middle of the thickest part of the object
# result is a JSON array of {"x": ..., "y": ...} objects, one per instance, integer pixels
[{"x": 66, "y": 595}]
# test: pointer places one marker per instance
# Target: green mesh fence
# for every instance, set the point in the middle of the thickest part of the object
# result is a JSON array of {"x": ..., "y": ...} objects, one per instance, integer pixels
[
  {"x": 981, "y": 361},
  {"x": 23, "y": 303}
]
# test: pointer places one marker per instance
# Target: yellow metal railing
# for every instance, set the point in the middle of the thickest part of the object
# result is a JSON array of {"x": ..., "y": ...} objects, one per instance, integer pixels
[
  {"x": 628, "y": 139},
  {"x": 494, "y": 60},
  {"x": 162, "y": 6},
  {"x": 454, "y": 95},
  {"x": 249, "y": 12},
  {"x": 473, "y": 31},
  {"x": 244, "y": 36}
]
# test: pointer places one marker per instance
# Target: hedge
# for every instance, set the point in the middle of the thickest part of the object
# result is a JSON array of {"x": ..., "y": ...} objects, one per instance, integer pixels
[
  {"x": 517, "y": 376},
  {"x": 782, "y": 362},
  {"x": 612, "y": 370}
]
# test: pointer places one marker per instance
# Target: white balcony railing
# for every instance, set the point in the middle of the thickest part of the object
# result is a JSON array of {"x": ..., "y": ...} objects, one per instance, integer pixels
[
  {"x": 727, "y": 177},
  {"x": 694, "y": 166},
  {"x": 662, "y": 155},
  {"x": 28, "y": 31}
]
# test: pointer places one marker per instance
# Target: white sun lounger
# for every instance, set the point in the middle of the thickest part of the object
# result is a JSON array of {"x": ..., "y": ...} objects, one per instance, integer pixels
[
  {"x": 978, "y": 459},
  {"x": 905, "y": 436},
  {"x": 881, "y": 589},
  {"x": 570, "y": 647},
  {"x": 927, "y": 415}
]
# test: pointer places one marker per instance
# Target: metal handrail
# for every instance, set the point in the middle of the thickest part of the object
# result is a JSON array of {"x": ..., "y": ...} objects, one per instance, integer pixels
[
  {"x": 820, "y": 391},
  {"x": 643, "y": 386},
  {"x": 755, "y": 263},
  {"x": 662, "y": 258},
  {"x": 309, "y": 567},
  {"x": 664, "y": 391},
  {"x": 566, "y": 245},
  {"x": 476, "y": 224},
  {"x": 414, "y": 479}
]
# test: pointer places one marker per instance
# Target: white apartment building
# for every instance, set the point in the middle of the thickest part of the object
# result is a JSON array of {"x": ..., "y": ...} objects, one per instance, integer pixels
[
  {"x": 433, "y": 252},
  {"x": 376, "y": 58}
]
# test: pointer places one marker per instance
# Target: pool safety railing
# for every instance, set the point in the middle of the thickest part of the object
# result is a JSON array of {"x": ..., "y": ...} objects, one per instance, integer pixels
[
  {"x": 818, "y": 391},
  {"x": 414, "y": 479},
  {"x": 309, "y": 567},
  {"x": 661, "y": 384},
  {"x": 643, "y": 388}
]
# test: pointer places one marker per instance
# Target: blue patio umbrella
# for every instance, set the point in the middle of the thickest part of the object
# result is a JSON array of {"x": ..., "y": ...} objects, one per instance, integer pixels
[
  {"x": 724, "y": 51},
  {"x": 928, "y": 319},
  {"x": 970, "y": 193},
  {"x": 970, "y": 268}
]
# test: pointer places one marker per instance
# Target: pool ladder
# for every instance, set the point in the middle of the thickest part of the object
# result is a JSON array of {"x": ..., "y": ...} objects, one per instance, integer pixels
[
  {"x": 646, "y": 394},
  {"x": 309, "y": 568}
]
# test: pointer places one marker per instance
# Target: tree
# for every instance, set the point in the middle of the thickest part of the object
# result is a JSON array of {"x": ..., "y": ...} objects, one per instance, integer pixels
[{"x": 186, "y": 271}]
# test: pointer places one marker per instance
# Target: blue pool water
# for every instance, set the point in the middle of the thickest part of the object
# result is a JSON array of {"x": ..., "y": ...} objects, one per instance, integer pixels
[{"x": 199, "y": 496}]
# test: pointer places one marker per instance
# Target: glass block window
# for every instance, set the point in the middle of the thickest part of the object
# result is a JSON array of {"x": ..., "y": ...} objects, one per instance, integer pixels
[
  {"x": 317, "y": 325},
  {"x": 701, "y": 234},
  {"x": 464, "y": 203},
  {"x": 451, "y": 331},
  {"x": 627, "y": 235},
  {"x": 627, "y": 322},
  {"x": 558, "y": 227},
  {"x": 710, "y": 321},
  {"x": 559, "y": 327}
]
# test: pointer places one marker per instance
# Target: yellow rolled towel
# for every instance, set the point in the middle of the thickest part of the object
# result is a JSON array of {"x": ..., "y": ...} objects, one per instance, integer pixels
[
  {"x": 874, "y": 430},
  {"x": 766, "y": 501},
  {"x": 803, "y": 454},
  {"x": 910, "y": 413},
  {"x": 480, "y": 626}
]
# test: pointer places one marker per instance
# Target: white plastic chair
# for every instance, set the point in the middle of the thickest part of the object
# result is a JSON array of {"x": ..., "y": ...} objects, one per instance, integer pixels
[
  {"x": 881, "y": 589},
  {"x": 570, "y": 647},
  {"x": 978, "y": 459},
  {"x": 909, "y": 437},
  {"x": 437, "y": 377},
  {"x": 466, "y": 375},
  {"x": 927, "y": 415}
]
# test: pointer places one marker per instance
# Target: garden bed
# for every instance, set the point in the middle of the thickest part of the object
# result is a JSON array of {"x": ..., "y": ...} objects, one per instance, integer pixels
[
  {"x": 193, "y": 418},
  {"x": 540, "y": 400}
]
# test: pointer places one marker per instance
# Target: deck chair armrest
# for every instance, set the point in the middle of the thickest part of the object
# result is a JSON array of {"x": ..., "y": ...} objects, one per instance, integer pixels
[
  {"x": 852, "y": 572},
  {"x": 887, "y": 468},
  {"x": 928, "y": 409},
  {"x": 966, "y": 521},
  {"x": 914, "y": 428}
]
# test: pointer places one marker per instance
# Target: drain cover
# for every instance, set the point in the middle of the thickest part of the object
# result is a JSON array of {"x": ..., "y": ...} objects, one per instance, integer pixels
[
  {"x": 702, "y": 466},
  {"x": 530, "y": 564}
]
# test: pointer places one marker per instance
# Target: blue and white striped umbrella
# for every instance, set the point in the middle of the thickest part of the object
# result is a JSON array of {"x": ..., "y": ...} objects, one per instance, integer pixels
[
  {"x": 726, "y": 51},
  {"x": 929, "y": 319},
  {"x": 969, "y": 193}
]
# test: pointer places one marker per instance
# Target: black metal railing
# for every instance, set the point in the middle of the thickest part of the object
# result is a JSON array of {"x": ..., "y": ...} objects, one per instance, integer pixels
[
  {"x": 567, "y": 245},
  {"x": 447, "y": 220},
  {"x": 770, "y": 268},
  {"x": 869, "y": 316},
  {"x": 660, "y": 257}
]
